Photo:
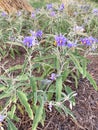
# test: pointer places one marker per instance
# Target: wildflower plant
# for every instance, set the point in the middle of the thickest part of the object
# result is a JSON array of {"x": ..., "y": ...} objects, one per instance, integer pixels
[{"x": 52, "y": 62}]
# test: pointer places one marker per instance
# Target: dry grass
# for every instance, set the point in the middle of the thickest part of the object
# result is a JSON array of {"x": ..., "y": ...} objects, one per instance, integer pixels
[{"x": 11, "y": 6}]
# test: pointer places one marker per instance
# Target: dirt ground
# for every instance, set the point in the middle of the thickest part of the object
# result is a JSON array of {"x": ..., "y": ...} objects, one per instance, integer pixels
[{"x": 85, "y": 111}]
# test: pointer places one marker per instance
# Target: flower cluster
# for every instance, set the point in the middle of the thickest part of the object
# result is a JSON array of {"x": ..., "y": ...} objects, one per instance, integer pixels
[
  {"x": 52, "y": 10},
  {"x": 61, "y": 40},
  {"x": 30, "y": 41},
  {"x": 88, "y": 41}
]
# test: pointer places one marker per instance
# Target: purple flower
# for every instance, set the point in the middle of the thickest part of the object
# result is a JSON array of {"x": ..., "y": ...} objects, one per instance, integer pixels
[
  {"x": 30, "y": 41},
  {"x": 61, "y": 7},
  {"x": 75, "y": 13},
  {"x": 53, "y": 14},
  {"x": 49, "y": 6},
  {"x": 88, "y": 41},
  {"x": 71, "y": 44},
  {"x": 33, "y": 15},
  {"x": 78, "y": 29},
  {"x": 95, "y": 11},
  {"x": 2, "y": 117},
  {"x": 39, "y": 34},
  {"x": 4, "y": 14},
  {"x": 60, "y": 40},
  {"x": 33, "y": 33},
  {"x": 53, "y": 76},
  {"x": 19, "y": 13}
]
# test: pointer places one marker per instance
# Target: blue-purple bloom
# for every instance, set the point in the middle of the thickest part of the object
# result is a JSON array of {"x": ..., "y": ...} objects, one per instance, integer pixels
[
  {"x": 53, "y": 76},
  {"x": 19, "y": 13},
  {"x": 71, "y": 44},
  {"x": 33, "y": 15},
  {"x": 4, "y": 14},
  {"x": 88, "y": 41},
  {"x": 49, "y": 6},
  {"x": 52, "y": 13},
  {"x": 30, "y": 41},
  {"x": 2, "y": 117},
  {"x": 39, "y": 34},
  {"x": 61, "y": 7},
  {"x": 95, "y": 11},
  {"x": 60, "y": 40},
  {"x": 78, "y": 29},
  {"x": 33, "y": 33}
]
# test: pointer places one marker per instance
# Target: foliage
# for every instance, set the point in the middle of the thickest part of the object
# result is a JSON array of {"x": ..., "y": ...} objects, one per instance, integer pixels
[{"x": 55, "y": 44}]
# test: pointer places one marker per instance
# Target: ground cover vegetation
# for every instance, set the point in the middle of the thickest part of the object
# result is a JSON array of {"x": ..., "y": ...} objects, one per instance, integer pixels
[{"x": 42, "y": 55}]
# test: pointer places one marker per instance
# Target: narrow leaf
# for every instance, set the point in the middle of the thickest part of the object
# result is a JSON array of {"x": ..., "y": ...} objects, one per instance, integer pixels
[
  {"x": 84, "y": 66},
  {"x": 11, "y": 126},
  {"x": 12, "y": 111},
  {"x": 24, "y": 102},
  {"x": 65, "y": 74},
  {"x": 38, "y": 116},
  {"x": 76, "y": 62},
  {"x": 69, "y": 91},
  {"x": 92, "y": 81},
  {"x": 58, "y": 88},
  {"x": 34, "y": 89}
]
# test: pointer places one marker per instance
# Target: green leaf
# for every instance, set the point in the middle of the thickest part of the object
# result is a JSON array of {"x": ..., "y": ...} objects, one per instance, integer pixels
[
  {"x": 11, "y": 113},
  {"x": 58, "y": 88},
  {"x": 65, "y": 74},
  {"x": 50, "y": 92},
  {"x": 76, "y": 80},
  {"x": 22, "y": 77},
  {"x": 11, "y": 126},
  {"x": 69, "y": 91},
  {"x": 56, "y": 63},
  {"x": 15, "y": 43},
  {"x": 14, "y": 68},
  {"x": 67, "y": 111},
  {"x": 15, "y": 118},
  {"x": 76, "y": 62},
  {"x": 43, "y": 118},
  {"x": 38, "y": 116},
  {"x": 2, "y": 87},
  {"x": 84, "y": 66},
  {"x": 5, "y": 95},
  {"x": 43, "y": 58},
  {"x": 92, "y": 81},
  {"x": 24, "y": 102},
  {"x": 34, "y": 89}
]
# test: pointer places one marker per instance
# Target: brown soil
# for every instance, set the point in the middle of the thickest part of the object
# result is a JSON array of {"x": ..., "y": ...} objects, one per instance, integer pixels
[{"x": 85, "y": 111}]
